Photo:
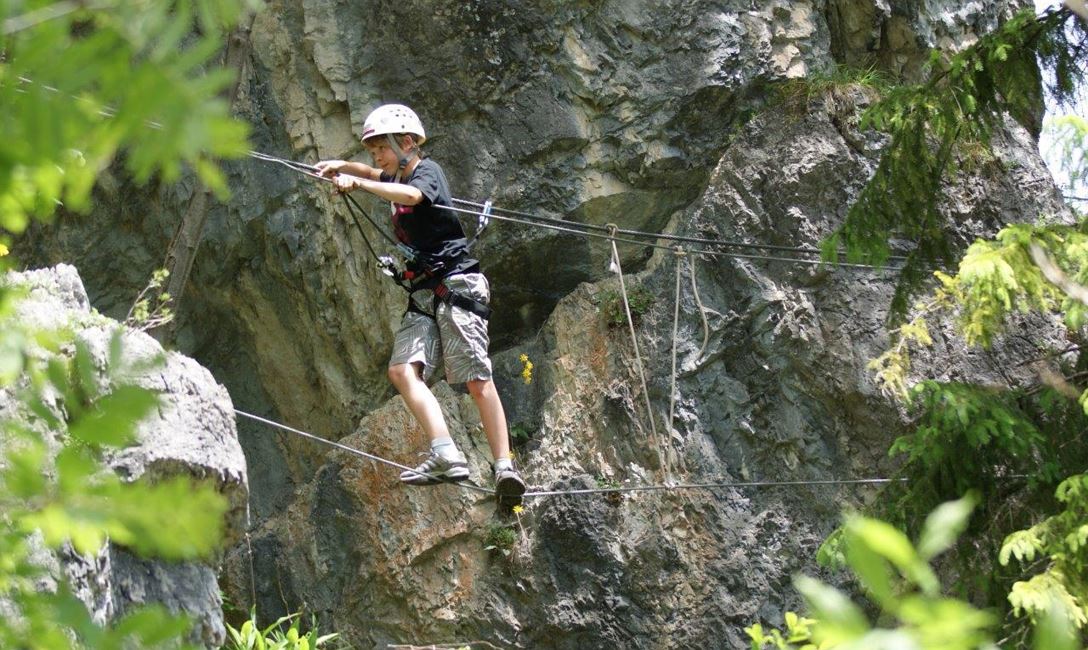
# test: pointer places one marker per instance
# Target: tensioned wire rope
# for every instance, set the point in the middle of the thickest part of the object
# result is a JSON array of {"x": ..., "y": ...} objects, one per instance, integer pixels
[
  {"x": 685, "y": 239},
  {"x": 609, "y": 232},
  {"x": 724, "y": 485},
  {"x": 664, "y": 447},
  {"x": 571, "y": 227}
]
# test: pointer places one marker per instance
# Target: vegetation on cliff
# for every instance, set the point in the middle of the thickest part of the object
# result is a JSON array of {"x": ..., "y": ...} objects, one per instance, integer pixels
[
  {"x": 1018, "y": 448},
  {"x": 82, "y": 84}
]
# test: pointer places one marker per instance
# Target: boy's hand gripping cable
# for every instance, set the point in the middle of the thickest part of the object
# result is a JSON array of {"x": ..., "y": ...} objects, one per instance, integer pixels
[{"x": 385, "y": 263}]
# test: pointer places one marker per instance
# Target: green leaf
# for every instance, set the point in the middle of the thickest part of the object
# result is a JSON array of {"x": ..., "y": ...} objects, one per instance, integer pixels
[
  {"x": 840, "y": 621},
  {"x": 1022, "y": 544},
  {"x": 25, "y": 477},
  {"x": 113, "y": 419},
  {"x": 86, "y": 373},
  {"x": 85, "y": 529},
  {"x": 75, "y": 467},
  {"x": 871, "y": 569},
  {"x": 173, "y": 519},
  {"x": 1055, "y": 630},
  {"x": 12, "y": 343},
  {"x": 883, "y": 539},
  {"x": 944, "y": 526}
]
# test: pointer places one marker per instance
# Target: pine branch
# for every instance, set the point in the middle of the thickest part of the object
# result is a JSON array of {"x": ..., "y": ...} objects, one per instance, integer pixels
[{"x": 965, "y": 97}]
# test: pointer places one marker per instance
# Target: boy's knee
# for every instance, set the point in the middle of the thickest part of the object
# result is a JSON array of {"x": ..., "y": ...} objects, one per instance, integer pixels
[
  {"x": 480, "y": 387},
  {"x": 402, "y": 373}
]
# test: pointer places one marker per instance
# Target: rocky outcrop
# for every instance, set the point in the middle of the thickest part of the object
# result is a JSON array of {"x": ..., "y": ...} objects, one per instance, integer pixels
[
  {"x": 655, "y": 116},
  {"x": 600, "y": 112},
  {"x": 192, "y": 433},
  {"x": 780, "y": 393}
]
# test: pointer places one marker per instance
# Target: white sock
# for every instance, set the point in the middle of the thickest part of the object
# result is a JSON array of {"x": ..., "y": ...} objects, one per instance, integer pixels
[
  {"x": 445, "y": 447},
  {"x": 503, "y": 463}
]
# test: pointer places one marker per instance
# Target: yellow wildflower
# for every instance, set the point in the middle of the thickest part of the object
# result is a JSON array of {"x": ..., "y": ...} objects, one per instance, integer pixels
[
  {"x": 518, "y": 510},
  {"x": 4, "y": 251},
  {"x": 527, "y": 369}
]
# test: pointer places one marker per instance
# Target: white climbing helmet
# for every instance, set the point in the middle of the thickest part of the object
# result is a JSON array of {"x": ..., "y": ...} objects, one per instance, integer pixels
[{"x": 391, "y": 119}]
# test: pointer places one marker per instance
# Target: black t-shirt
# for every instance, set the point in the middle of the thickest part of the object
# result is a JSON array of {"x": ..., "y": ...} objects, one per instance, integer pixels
[{"x": 429, "y": 227}]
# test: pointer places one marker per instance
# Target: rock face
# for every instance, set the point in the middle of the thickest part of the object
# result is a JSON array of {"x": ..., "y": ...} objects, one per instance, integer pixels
[
  {"x": 652, "y": 116},
  {"x": 191, "y": 434},
  {"x": 780, "y": 393}
]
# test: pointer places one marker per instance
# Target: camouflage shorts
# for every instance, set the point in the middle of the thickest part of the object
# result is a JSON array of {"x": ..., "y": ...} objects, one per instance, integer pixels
[{"x": 454, "y": 336}]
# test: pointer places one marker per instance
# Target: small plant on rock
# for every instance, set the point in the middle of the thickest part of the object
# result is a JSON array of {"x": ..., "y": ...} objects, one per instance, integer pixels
[
  {"x": 152, "y": 306},
  {"x": 639, "y": 299},
  {"x": 274, "y": 637},
  {"x": 500, "y": 538},
  {"x": 520, "y": 433}
]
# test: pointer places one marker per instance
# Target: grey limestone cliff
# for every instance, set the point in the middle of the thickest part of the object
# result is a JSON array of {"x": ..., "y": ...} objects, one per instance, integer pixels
[
  {"x": 191, "y": 434},
  {"x": 655, "y": 116}
]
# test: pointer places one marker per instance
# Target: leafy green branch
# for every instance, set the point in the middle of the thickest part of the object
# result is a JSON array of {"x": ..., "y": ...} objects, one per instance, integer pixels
[
  {"x": 897, "y": 576},
  {"x": 996, "y": 279},
  {"x": 1062, "y": 539},
  {"x": 151, "y": 309},
  {"x": 137, "y": 77},
  {"x": 967, "y": 94}
]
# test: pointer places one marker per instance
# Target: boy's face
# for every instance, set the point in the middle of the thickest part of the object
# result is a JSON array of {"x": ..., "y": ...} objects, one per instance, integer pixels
[{"x": 383, "y": 155}]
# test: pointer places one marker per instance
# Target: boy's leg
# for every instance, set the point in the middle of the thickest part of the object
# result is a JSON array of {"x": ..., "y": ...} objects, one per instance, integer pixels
[
  {"x": 464, "y": 347},
  {"x": 509, "y": 485},
  {"x": 419, "y": 399},
  {"x": 492, "y": 416},
  {"x": 415, "y": 354}
]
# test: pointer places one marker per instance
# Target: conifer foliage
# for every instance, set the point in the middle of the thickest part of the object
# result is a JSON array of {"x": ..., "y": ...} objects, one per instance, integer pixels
[
  {"x": 965, "y": 96},
  {"x": 1018, "y": 446}
]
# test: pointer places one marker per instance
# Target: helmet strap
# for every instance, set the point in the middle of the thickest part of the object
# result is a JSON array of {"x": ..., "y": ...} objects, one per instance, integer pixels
[{"x": 402, "y": 158}]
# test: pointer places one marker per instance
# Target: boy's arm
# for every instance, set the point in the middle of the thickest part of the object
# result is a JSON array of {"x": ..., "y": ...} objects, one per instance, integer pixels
[{"x": 395, "y": 192}]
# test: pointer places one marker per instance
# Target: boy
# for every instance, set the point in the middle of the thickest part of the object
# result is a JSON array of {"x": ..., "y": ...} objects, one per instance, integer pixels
[{"x": 448, "y": 303}]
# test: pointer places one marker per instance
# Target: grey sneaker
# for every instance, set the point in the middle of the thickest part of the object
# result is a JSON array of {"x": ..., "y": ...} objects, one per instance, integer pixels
[
  {"x": 509, "y": 487},
  {"x": 437, "y": 469}
]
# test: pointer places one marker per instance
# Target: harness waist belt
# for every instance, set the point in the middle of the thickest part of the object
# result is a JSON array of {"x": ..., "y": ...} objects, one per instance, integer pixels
[
  {"x": 442, "y": 293},
  {"x": 450, "y": 297}
]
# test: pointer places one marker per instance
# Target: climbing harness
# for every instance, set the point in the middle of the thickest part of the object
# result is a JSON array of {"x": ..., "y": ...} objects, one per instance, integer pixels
[{"x": 410, "y": 281}]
